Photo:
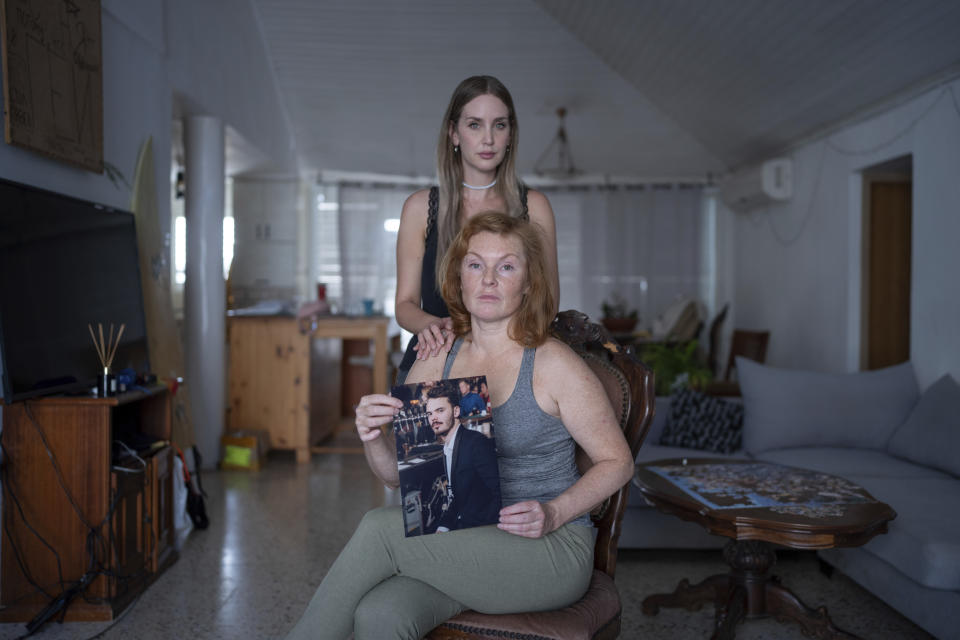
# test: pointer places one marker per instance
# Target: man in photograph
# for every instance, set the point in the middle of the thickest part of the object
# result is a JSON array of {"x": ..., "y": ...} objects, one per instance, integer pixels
[
  {"x": 473, "y": 490},
  {"x": 470, "y": 402}
]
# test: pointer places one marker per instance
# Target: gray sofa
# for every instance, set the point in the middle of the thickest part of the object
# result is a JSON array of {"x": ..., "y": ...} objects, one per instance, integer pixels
[{"x": 874, "y": 428}]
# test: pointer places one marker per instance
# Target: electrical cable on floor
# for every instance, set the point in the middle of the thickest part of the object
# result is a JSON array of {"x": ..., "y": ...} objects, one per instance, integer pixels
[
  {"x": 100, "y": 633},
  {"x": 122, "y": 615}
]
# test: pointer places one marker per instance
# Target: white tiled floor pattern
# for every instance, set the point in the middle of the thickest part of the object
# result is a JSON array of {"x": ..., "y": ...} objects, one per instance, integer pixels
[{"x": 274, "y": 533}]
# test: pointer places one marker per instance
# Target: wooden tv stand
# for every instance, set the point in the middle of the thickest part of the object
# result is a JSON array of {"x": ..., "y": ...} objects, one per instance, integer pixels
[{"x": 59, "y": 477}]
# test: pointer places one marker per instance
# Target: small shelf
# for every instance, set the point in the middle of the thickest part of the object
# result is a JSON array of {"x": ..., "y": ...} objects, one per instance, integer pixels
[{"x": 134, "y": 395}]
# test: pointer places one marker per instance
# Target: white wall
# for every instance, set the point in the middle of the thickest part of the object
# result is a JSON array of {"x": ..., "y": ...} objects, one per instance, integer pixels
[{"x": 797, "y": 265}]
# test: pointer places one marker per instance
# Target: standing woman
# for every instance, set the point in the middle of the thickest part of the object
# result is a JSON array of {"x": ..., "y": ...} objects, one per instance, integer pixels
[{"x": 476, "y": 164}]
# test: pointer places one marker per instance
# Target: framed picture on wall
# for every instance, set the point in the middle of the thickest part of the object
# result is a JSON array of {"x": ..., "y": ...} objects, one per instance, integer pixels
[{"x": 52, "y": 79}]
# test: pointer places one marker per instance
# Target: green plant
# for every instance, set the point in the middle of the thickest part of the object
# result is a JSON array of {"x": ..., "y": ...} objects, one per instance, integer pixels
[
  {"x": 617, "y": 307},
  {"x": 676, "y": 362}
]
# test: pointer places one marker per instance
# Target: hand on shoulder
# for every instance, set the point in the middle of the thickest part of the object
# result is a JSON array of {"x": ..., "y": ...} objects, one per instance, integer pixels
[{"x": 435, "y": 340}]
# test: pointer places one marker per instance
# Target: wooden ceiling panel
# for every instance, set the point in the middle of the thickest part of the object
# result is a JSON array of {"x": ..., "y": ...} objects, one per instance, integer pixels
[{"x": 653, "y": 88}]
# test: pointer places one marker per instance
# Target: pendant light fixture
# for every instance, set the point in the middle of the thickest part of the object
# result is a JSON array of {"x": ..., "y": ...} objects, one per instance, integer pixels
[{"x": 556, "y": 161}]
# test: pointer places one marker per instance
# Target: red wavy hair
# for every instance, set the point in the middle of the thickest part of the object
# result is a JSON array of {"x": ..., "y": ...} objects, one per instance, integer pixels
[{"x": 530, "y": 324}]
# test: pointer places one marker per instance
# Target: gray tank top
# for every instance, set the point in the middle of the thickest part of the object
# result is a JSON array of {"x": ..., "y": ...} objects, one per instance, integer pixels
[{"x": 535, "y": 452}]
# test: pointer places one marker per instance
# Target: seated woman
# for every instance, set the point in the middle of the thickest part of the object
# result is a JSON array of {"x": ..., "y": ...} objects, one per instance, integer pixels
[{"x": 545, "y": 402}]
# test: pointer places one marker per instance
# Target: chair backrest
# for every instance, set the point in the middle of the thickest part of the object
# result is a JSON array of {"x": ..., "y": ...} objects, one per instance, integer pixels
[
  {"x": 715, "y": 330},
  {"x": 749, "y": 344},
  {"x": 629, "y": 386}
]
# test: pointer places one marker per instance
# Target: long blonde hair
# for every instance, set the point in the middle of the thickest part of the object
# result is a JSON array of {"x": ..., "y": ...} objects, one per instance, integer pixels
[
  {"x": 530, "y": 324},
  {"x": 450, "y": 169}
]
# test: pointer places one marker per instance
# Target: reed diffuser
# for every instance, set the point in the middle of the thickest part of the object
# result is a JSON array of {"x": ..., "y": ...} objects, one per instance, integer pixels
[{"x": 106, "y": 350}]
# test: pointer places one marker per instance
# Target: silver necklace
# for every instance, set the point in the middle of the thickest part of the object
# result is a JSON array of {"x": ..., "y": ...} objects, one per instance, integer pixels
[{"x": 470, "y": 186}]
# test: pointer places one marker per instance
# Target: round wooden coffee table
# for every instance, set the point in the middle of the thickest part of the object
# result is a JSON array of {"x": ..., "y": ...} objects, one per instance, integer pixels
[{"x": 758, "y": 505}]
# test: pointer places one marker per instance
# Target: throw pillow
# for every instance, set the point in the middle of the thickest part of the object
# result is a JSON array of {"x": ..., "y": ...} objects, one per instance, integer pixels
[
  {"x": 699, "y": 421},
  {"x": 785, "y": 408},
  {"x": 931, "y": 434}
]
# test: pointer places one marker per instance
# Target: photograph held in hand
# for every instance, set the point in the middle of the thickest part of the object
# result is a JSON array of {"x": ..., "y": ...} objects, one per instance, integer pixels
[{"x": 446, "y": 456}]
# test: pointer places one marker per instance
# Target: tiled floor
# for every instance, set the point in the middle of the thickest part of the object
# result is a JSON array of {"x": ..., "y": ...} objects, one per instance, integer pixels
[{"x": 274, "y": 533}]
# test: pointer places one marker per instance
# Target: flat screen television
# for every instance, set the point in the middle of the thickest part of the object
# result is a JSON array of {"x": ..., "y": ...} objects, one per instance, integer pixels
[{"x": 64, "y": 263}]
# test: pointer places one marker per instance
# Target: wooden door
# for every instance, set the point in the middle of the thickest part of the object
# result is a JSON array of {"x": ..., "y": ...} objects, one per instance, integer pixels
[{"x": 888, "y": 274}]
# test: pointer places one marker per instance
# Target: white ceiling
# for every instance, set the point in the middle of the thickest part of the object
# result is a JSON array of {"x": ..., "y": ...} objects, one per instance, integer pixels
[{"x": 652, "y": 88}]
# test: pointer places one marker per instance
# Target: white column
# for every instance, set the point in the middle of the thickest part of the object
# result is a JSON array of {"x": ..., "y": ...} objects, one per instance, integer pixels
[{"x": 205, "y": 290}]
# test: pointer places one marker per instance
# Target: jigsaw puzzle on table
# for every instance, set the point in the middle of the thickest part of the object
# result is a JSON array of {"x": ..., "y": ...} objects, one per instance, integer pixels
[{"x": 779, "y": 488}]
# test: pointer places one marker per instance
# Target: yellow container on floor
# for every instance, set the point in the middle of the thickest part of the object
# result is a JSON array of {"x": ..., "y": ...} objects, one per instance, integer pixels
[{"x": 245, "y": 450}]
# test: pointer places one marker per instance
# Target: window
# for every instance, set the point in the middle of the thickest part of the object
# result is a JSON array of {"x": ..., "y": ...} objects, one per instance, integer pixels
[
  {"x": 646, "y": 243},
  {"x": 179, "y": 248}
]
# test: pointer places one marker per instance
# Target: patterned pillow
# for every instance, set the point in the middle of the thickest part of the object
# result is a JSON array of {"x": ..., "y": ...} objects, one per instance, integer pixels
[{"x": 699, "y": 421}]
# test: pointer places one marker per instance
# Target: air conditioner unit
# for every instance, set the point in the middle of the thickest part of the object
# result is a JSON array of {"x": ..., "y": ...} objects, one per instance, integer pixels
[{"x": 759, "y": 185}]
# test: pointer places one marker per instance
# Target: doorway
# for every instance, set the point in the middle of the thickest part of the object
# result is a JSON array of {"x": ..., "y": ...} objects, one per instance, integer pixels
[{"x": 887, "y": 236}]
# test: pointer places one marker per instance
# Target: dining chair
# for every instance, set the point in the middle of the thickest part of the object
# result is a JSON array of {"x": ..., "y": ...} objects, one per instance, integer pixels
[
  {"x": 749, "y": 344},
  {"x": 715, "y": 332}
]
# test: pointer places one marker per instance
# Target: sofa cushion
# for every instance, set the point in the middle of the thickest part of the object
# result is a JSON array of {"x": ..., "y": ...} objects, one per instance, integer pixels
[
  {"x": 935, "y": 610},
  {"x": 922, "y": 541},
  {"x": 792, "y": 408},
  {"x": 699, "y": 421},
  {"x": 850, "y": 463},
  {"x": 931, "y": 434}
]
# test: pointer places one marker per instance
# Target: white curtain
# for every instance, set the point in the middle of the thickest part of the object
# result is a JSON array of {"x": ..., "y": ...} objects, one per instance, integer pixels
[
  {"x": 368, "y": 247},
  {"x": 643, "y": 243}
]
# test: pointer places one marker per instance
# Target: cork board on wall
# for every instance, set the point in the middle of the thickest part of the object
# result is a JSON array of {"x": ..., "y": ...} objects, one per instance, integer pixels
[{"x": 52, "y": 78}]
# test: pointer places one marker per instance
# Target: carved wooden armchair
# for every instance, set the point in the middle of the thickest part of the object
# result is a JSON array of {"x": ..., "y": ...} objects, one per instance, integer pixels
[{"x": 629, "y": 387}]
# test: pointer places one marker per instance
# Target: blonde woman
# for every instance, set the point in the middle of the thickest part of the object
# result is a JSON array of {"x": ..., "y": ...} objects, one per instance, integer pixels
[{"x": 476, "y": 164}]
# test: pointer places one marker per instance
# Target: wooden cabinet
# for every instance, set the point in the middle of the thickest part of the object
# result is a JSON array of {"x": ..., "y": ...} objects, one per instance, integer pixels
[
  {"x": 75, "y": 511},
  {"x": 283, "y": 382},
  {"x": 288, "y": 382},
  {"x": 159, "y": 491}
]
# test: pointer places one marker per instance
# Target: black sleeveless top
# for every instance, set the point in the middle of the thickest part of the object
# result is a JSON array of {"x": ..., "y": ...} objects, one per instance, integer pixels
[{"x": 430, "y": 300}]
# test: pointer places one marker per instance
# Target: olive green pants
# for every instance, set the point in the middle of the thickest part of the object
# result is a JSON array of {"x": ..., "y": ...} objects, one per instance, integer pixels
[{"x": 384, "y": 585}]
